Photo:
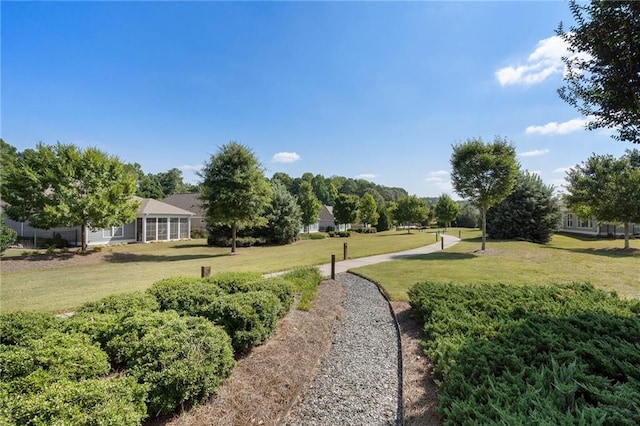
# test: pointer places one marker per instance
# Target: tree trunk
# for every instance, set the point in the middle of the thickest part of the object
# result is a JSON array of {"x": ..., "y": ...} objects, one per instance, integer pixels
[
  {"x": 233, "y": 238},
  {"x": 83, "y": 246},
  {"x": 627, "y": 226},
  {"x": 484, "y": 227}
]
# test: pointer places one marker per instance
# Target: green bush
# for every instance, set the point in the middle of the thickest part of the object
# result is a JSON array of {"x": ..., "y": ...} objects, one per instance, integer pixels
[
  {"x": 531, "y": 355},
  {"x": 99, "y": 327},
  {"x": 233, "y": 282},
  {"x": 305, "y": 281},
  {"x": 344, "y": 234},
  {"x": 182, "y": 294},
  {"x": 16, "y": 327},
  {"x": 311, "y": 236},
  {"x": 180, "y": 359},
  {"x": 122, "y": 304},
  {"x": 117, "y": 401},
  {"x": 249, "y": 318},
  {"x": 331, "y": 234}
]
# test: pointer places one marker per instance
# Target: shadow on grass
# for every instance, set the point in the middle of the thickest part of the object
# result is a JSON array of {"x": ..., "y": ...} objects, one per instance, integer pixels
[
  {"x": 131, "y": 257},
  {"x": 439, "y": 255},
  {"x": 191, "y": 246},
  {"x": 611, "y": 252}
]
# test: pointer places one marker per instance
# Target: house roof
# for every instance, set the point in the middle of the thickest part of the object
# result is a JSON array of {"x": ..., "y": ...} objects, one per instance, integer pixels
[
  {"x": 326, "y": 214},
  {"x": 186, "y": 201},
  {"x": 149, "y": 206}
]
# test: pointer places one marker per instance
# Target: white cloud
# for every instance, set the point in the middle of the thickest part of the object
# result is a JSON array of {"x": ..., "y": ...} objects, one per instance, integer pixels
[
  {"x": 562, "y": 170},
  {"x": 439, "y": 180},
  {"x": 534, "y": 153},
  {"x": 285, "y": 157},
  {"x": 366, "y": 176},
  {"x": 543, "y": 62},
  {"x": 558, "y": 128},
  {"x": 439, "y": 173},
  {"x": 191, "y": 167}
]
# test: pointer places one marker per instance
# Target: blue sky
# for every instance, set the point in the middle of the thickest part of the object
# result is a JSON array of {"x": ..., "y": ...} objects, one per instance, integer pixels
[{"x": 377, "y": 90}]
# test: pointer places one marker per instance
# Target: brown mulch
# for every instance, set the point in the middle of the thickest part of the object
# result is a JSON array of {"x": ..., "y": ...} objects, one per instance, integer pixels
[{"x": 266, "y": 383}]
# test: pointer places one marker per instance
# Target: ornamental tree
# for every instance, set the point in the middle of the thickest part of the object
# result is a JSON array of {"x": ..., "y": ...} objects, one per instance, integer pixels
[
  {"x": 603, "y": 71},
  {"x": 234, "y": 190},
  {"x": 283, "y": 215},
  {"x": 368, "y": 210},
  {"x": 410, "y": 210},
  {"x": 309, "y": 204},
  {"x": 484, "y": 173},
  {"x": 446, "y": 210},
  {"x": 607, "y": 188},
  {"x": 531, "y": 212},
  {"x": 65, "y": 186},
  {"x": 346, "y": 209}
]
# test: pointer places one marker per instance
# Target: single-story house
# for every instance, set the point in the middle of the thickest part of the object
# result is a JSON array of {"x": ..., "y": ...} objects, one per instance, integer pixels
[
  {"x": 155, "y": 221},
  {"x": 573, "y": 224},
  {"x": 326, "y": 222},
  {"x": 191, "y": 203}
]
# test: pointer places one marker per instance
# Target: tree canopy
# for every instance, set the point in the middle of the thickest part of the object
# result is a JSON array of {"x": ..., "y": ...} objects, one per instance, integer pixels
[
  {"x": 63, "y": 185},
  {"x": 368, "y": 210},
  {"x": 484, "y": 173},
  {"x": 283, "y": 215},
  {"x": 346, "y": 209},
  {"x": 410, "y": 210},
  {"x": 446, "y": 210},
  {"x": 603, "y": 71},
  {"x": 607, "y": 188},
  {"x": 234, "y": 190},
  {"x": 309, "y": 204},
  {"x": 531, "y": 212}
]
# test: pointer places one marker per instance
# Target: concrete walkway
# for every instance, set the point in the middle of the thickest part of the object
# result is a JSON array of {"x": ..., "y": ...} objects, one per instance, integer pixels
[{"x": 345, "y": 265}]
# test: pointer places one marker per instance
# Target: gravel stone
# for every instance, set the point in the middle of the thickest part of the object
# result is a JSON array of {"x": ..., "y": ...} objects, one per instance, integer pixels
[{"x": 358, "y": 380}]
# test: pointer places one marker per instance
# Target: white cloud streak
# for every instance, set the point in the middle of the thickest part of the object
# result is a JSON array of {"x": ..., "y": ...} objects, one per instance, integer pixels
[
  {"x": 285, "y": 157},
  {"x": 534, "y": 153},
  {"x": 191, "y": 167},
  {"x": 562, "y": 170},
  {"x": 366, "y": 176},
  {"x": 558, "y": 128},
  {"x": 439, "y": 180}
]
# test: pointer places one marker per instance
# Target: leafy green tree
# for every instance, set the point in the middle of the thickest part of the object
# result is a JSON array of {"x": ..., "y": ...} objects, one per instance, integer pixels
[
  {"x": 346, "y": 209},
  {"x": 469, "y": 216},
  {"x": 8, "y": 158},
  {"x": 446, "y": 210},
  {"x": 7, "y": 236},
  {"x": 411, "y": 210},
  {"x": 285, "y": 180},
  {"x": 484, "y": 173},
  {"x": 602, "y": 77},
  {"x": 309, "y": 204},
  {"x": 368, "y": 210},
  {"x": 321, "y": 189},
  {"x": 607, "y": 188},
  {"x": 530, "y": 212},
  {"x": 284, "y": 217},
  {"x": 62, "y": 185},
  {"x": 234, "y": 190}
]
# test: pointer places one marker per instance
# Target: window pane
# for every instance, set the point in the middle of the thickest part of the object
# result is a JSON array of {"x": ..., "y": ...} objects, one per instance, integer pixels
[
  {"x": 173, "y": 229},
  {"x": 184, "y": 227},
  {"x": 151, "y": 229},
  {"x": 162, "y": 228}
]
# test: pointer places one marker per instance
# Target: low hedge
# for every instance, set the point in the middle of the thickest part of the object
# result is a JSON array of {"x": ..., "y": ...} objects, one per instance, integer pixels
[
  {"x": 16, "y": 327},
  {"x": 244, "y": 282},
  {"x": 532, "y": 355},
  {"x": 122, "y": 303},
  {"x": 184, "y": 294}
]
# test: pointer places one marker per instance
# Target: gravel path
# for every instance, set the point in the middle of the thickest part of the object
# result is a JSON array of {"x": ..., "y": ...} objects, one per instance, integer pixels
[{"x": 358, "y": 381}]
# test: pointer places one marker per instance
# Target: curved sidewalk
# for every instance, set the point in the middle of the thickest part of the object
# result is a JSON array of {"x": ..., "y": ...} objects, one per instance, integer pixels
[{"x": 345, "y": 265}]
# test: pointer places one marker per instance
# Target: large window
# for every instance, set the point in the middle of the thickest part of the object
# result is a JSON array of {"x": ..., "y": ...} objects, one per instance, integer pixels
[
  {"x": 570, "y": 220},
  {"x": 113, "y": 232},
  {"x": 162, "y": 228},
  {"x": 173, "y": 228},
  {"x": 151, "y": 229},
  {"x": 184, "y": 227}
]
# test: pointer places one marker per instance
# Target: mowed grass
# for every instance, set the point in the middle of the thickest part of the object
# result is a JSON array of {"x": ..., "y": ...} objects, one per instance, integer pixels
[
  {"x": 565, "y": 259},
  {"x": 133, "y": 267}
]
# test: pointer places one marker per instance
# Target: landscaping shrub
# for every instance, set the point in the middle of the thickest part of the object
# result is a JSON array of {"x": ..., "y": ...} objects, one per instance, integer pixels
[
  {"x": 331, "y": 234},
  {"x": 311, "y": 236},
  {"x": 532, "y": 355},
  {"x": 117, "y": 401},
  {"x": 16, "y": 327},
  {"x": 344, "y": 234},
  {"x": 122, "y": 303},
  {"x": 184, "y": 294},
  {"x": 99, "y": 327},
  {"x": 249, "y": 318},
  {"x": 180, "y": 359}
]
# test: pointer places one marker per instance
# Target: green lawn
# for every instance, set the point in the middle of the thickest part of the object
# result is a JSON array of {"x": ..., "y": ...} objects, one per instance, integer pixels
[
  {"x": 136, "y": 266},
  {"x": 566, "y": 259}
]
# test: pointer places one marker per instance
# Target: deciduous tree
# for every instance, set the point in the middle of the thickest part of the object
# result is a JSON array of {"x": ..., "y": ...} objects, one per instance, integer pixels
[
  {"x": 411, "y": 210},
  {"x": 603, "y": 71},
  {"x": 484, "y": 173},
  {"x": 446, "y": 210},
  {"x": 309, "y": 204},
  {"x": 346, "y": 209},
  {"x": 368, "y": 210},
  {"x": 234, "y": 190},
  {"x": 607, "y": 188}
]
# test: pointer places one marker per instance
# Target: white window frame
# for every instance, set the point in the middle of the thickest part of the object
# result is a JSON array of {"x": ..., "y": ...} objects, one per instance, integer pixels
[{"x": 113, "y": 232}]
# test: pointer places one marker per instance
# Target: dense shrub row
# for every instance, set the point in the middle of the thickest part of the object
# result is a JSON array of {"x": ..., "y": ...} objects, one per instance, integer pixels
[
  {"x": 532, "y": 355},
  {"x": 125, "y": 357}
]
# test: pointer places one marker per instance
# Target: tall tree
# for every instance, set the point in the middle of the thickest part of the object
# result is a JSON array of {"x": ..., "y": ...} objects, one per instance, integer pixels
[
  {"x": 603, "y": 72},
  {"x": 410, "y": 210},
  {"x": 62, "y": 185},
  {"x": 607, "y": 188},
  {"x": 284, "y": 217},
  {"x": 346, "y": 209},
  {"x": 484, "y": 173},
  {"x": 284, "y": 179},
  {"x": 530, "y": 212},
  {"x": 234, "y": 189},
  {"x": 7, "y": 236},
  {"x": 309, "y": 204},
  {"x": 469, "y": 216},
  {"x": 368, "y": 210},
  {"x": 446, "y": 210}
]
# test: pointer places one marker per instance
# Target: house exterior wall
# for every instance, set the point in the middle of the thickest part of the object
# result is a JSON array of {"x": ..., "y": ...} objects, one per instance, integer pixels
[
  {"x": 125, "y": 233},
  {"x": 573, "y": 224},
  {"x": 31, "y": 237}
]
